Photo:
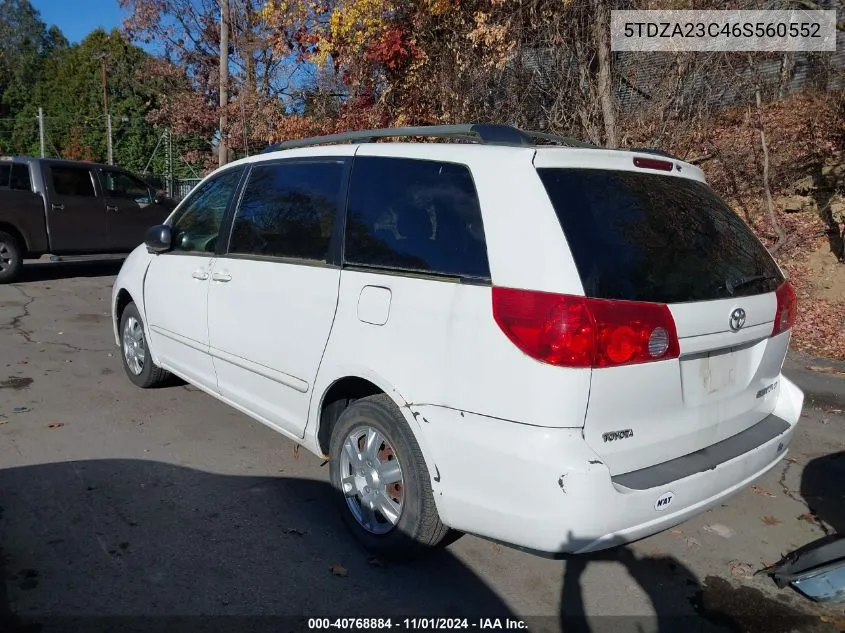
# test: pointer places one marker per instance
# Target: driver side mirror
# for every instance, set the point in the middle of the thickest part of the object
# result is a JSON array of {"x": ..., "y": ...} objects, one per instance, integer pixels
[{"x": 159, "y": 239}]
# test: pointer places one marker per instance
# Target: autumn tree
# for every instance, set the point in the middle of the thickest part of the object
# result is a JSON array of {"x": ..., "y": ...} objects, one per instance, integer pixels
[{"x": 262, "y": 74}]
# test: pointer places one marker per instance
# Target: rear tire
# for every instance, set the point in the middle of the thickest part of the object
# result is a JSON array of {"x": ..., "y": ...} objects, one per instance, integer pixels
[
  {"x": 376, "y": 463},
  {"x": 11, "y": 258},
  {"x": 135, "y": 353}
]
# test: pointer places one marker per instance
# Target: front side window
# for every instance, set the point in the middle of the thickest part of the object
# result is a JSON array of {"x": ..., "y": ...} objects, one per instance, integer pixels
[
  {"x": 415, "y": 215},
  {"x": 73, "y": 181},
  {"x": 117, "y": 184},
  {"x": 197, "y": 225},
  {"x": 289, "y": 210}
]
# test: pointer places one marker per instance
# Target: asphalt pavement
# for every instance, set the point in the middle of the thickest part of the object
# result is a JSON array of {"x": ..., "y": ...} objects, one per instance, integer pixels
[{"x": 123, "y": 509}]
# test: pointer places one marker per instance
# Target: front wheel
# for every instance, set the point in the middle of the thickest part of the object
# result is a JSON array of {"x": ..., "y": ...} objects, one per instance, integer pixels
[
  {"x": 11, "y": 258},
  {"x": 135, "y": 353},
  {"x": 381, "y": 481}
]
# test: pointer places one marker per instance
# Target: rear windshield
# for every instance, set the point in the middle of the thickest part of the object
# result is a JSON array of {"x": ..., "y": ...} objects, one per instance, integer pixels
[{"x": 646, "y": 237}]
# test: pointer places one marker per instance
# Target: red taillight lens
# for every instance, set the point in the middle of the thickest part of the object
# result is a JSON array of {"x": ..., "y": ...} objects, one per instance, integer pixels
[
  {"x": 578, "y": 332},
  {"x": 786, "y": 307},
  {"x": 652, "y": 163},
  {"x": 552, "y": 328}
]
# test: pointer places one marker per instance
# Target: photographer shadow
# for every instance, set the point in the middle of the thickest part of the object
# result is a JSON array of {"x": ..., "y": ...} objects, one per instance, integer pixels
[{"x": 130, "y": 545}]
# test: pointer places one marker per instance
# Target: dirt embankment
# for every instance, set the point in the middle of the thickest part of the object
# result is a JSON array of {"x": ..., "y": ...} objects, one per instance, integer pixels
[{"x": 806, "y": 142}]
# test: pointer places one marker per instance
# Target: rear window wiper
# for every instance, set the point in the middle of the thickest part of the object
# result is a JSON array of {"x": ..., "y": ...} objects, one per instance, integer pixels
[{"x": 732, "y": 285}]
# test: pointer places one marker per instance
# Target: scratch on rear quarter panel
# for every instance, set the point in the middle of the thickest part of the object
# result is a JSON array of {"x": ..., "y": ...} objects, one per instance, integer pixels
[
  {"x": 594, "y": 461},
  {"x": 562, "y": 483},
  {"x": 704, "y": 373}
]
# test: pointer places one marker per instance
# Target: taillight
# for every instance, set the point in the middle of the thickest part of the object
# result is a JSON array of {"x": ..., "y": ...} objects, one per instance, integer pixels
[
  {"x": 786, "y": 307},
  {"x": 573, "y": 331},
  {"x": 652, "y": 163}
]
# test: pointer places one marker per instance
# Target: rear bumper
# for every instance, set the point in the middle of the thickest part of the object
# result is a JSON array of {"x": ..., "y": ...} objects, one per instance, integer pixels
[{"x": 546, "y": 490}]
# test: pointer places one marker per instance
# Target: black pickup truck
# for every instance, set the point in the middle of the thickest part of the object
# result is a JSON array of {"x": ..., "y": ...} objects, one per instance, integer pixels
[{"x": 62, "y": 207}]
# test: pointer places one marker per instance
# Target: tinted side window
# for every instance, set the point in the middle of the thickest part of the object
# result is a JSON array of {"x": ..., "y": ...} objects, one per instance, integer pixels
[
  {"x": 119, "y": 185},
  {"x": 415, "y": 215},
  {"x": 5, "y": 172},
  {"x": 288, "y": 210},
  {"x": 197, "y": 225},
  {"x": 72, "y": 181},
  {"x": 20, "y": 177}
]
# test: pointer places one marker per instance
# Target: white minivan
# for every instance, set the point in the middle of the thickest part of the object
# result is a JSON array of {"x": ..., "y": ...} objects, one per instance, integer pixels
[{"x": 505, "y": 333}]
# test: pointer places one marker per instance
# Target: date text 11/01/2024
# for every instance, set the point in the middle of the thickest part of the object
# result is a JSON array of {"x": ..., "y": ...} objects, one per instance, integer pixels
[{"x": 411, "y": 624}]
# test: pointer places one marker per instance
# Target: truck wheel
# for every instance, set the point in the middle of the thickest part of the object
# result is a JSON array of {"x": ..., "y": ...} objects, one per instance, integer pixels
[
  {"x": 135, "y": 353},
  {"x": 381, "y": 481},
  {"x": 11, "y": 258}
]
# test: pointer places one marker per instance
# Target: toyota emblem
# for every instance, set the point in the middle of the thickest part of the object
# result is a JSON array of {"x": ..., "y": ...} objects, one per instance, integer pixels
[{"x": 737, "y": 319}]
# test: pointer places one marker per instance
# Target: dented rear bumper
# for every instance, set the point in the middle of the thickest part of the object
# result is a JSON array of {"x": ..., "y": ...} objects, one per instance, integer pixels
[{"x": 545, "y": 490}]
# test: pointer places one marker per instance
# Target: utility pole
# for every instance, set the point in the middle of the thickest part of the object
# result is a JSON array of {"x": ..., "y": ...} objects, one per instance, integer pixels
[
  {"x": 108, "y": 132},
  {"x": 224, "y": 78},
  {"x": 41, "y": 132},
  {"x": 106, "y": 111},
  {"x": 168, "y": 163}
]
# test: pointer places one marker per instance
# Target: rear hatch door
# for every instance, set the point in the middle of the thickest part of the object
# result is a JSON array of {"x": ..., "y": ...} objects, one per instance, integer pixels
[{"x": 642, "y": 235}]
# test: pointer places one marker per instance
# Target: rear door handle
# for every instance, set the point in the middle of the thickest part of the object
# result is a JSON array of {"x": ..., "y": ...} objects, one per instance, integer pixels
[
  {"x": 58, "y": 207},
  {"x": 200, "y": 274},
  {"x": 221, "y": 277},
  {"x": 111, "y": 208}
]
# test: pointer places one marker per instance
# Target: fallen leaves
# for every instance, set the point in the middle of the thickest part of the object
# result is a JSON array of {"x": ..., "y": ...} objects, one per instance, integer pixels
[
  {"x": 339, "y": 570},
  {"x": 836, "y": 620},
  {"x": 792, "y": 460},
  {"x": 296, "y": 452},
  {"x": 375, "y": 562},
  {"x": 294, "y": 532},
  {"x": 760, "y": 491},
  {"x": 809, "y": 517},
  {"x": 770, "y": 520},
  {"x": 691, "y": 543},
  {"x": 55, "y": 425},
  {"x": 740, "y": 569}
]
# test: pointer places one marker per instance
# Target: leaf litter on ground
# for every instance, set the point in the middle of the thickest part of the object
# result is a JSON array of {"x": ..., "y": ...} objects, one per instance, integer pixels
[
  {"x": 740, "y": 569},
  {"x": 762, "y": 491}
]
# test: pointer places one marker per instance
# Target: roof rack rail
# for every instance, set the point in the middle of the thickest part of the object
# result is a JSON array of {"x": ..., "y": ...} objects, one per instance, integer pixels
[
  {"x": 487, "y": 133},
  {"x": 493, "y": 134},
  {"x": 563, "y": 140}
]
